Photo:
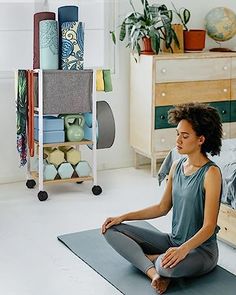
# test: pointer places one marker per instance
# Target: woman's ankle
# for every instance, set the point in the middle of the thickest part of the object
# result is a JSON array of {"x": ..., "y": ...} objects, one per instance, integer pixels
[{"x": 152, "y": 273}]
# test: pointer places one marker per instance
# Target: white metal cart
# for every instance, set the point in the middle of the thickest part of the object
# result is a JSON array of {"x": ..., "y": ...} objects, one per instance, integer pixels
[{"x": 33, "y": 175}]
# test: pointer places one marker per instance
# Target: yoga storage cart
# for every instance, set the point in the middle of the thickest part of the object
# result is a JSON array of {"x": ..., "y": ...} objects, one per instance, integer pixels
[{"x": 62, "y": 92}]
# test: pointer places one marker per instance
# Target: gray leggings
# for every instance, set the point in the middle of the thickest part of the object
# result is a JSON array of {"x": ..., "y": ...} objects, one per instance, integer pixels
[{"x": 134, "y": 242}]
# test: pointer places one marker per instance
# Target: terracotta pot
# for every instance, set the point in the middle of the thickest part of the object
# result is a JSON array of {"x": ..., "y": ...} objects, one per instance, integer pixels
[
  {"x": 147, "y": 46},
  {"x": 194, "y": 40}
]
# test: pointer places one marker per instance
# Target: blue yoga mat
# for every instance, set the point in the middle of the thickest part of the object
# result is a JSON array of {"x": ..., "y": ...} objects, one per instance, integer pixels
[
  {"x": 48, "y": 43},
  {"x": 91, "y": 247},
  {"x": 68, "y": 13}
]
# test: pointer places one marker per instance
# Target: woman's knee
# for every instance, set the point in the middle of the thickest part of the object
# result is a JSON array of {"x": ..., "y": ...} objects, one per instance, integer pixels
[
  {"x": 166, "y": 272},
  {"x": 110, "y": 232}
]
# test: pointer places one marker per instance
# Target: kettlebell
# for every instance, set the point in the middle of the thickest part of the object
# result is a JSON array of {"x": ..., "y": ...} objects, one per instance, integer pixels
[{"x": 74, "y": 131}]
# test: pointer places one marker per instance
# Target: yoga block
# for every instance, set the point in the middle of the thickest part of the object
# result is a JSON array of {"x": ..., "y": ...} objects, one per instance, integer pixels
[
  {"x": 65, "y": 170},
  {"x": 49, "y": 172},
  {"x": 50, "y": 123},
  {"x": 50, "y": 136},
  {"x": 88, "y": 117},
  {"x": 54, "y": 156},
  {"x": 83, "y": 169}
]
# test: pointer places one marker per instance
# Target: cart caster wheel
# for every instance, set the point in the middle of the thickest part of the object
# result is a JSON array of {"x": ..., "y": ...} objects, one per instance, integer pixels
[
  {"x": 30, "y": 183},
  {"x": 79, "y": 182},
  {"x": 97, "y": 190},
  {"x": 42, "y": 196}
]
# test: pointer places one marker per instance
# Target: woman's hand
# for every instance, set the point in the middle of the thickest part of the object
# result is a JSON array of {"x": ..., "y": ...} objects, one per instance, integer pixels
[
  {"x": 173, "y": 256},
  {"x": 110, "y": 221}
]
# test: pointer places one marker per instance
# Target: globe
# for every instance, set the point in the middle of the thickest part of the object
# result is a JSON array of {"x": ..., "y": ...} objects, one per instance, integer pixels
[{"x": 220, "y": 23}]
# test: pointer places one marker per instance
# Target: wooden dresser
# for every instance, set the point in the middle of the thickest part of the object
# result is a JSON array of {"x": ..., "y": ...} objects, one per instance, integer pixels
[{"x": 158, "y": 82}]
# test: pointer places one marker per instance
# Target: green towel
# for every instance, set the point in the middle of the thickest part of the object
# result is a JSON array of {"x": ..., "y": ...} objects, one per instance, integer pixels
[{"x": 107, "y": 80}]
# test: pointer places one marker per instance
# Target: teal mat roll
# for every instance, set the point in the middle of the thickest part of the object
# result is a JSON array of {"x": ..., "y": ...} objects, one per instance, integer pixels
[
  {"x": 48, "y": 44},
  {"x": 72, "y": 51}
]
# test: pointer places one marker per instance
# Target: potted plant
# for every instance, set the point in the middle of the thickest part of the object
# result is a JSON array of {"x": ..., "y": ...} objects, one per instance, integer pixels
[
  {"x": 194, "y": 40},
  {"x": 150, "y": 26}
]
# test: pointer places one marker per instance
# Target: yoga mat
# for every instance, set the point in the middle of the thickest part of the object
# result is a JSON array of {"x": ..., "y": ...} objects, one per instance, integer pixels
[
  {"x": 72, "y": 48},
  {"x": 91, "y": 247},
  {"x": 69, "y": 13},
  {"x": 48, "y": 44},
  {"x": 37, "y": 18}
]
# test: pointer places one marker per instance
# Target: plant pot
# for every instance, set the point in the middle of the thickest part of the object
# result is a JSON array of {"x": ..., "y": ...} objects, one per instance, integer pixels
[
  {"x": 194, "y": 40},
  {"x": 147, "y": 46}
]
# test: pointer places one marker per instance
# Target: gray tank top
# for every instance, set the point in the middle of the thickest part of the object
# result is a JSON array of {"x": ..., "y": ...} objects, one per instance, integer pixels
[{"x": 188, "y": 198}]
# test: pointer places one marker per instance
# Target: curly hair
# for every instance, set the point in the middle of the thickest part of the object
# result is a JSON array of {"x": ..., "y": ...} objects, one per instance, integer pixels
[{"x": 205, "y": 120}]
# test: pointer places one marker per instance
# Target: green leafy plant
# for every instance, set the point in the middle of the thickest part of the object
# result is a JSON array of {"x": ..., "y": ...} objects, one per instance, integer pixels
[
  {"x": 153, "y": 22},
  {"x": 183, "y": 14}
]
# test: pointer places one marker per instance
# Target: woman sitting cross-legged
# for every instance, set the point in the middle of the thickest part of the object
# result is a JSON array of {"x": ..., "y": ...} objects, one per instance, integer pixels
[{"x": 193, "y": 192}]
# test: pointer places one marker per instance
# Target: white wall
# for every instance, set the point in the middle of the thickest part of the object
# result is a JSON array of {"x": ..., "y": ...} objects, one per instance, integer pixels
[{"x": 17, "y": 52}]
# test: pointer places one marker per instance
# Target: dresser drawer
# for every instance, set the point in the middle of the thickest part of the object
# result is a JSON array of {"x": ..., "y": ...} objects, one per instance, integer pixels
[
  {"x": 223, "y": 107},
  {"x": 161, "y": 117},
  {"x": 183, "y": 92},
  {"x": 192, "y": 69},
  {"x": 164, "y": 139},
  {"x": 233, "y": 69},
  {"x": 233, "y": 111},
  {"x": 233, "y": 88}
]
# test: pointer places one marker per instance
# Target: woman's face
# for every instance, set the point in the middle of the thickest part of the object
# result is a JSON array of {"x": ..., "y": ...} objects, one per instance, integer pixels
[{"x": 187, "y": 142}]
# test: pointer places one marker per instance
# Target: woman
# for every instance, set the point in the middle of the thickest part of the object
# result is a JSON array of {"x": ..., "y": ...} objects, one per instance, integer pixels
[{"x": 193, "y": 192}]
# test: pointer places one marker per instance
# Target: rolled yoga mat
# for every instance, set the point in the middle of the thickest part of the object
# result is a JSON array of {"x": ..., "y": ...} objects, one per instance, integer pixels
[
  {"x": 91, "y": 247},
  {"x": 37, "y": 18},
  {"x": 69, "y": 13},
  {"x": 48, "y": 44},
  {"x": 72, "y": 48}
]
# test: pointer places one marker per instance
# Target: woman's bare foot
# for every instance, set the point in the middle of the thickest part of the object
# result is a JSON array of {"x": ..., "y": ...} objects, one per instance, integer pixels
[
  {"x": 160, "y": 284},
  {"x": 152, "y": 257}
]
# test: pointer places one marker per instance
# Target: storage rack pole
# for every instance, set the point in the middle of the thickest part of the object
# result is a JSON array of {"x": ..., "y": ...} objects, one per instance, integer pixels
[
  {"x": 94, "y": 129},
  {"x": 40, "y": 118}
]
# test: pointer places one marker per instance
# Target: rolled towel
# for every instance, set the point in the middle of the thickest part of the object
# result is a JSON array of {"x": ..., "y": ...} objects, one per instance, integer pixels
[
  {"x": 107, "y": 80},
  {"x": 99, "y": 80}
]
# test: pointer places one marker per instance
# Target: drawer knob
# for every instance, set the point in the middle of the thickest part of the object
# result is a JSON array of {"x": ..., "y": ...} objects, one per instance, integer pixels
[
  {"x": 224, "y": 133},
  {"x": 163, "y": 140},
  {"x": 163, "y": 70},
  {"x": 225, "y": 68},
  {"x": 223, "y": 112},
  {"x": 163, "y": 94},
  {"x": 162, "y": 117},
  {"x": 225, "y": 90}
]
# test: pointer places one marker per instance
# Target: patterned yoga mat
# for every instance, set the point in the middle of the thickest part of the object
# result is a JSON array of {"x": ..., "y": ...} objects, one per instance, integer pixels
[{"x": 72, "y": 51}]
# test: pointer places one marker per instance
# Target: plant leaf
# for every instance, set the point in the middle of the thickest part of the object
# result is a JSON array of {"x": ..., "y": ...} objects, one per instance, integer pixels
[
  {"x": 113, "y": 36},
  {"x": 122, "y": 31},
  {"x": 186, "y": 15}
]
